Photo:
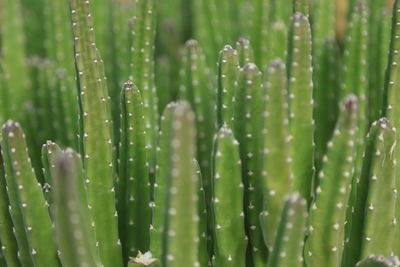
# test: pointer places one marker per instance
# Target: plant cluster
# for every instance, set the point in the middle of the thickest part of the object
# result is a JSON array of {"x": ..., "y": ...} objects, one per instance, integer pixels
[{"x": 279, "y": 150}]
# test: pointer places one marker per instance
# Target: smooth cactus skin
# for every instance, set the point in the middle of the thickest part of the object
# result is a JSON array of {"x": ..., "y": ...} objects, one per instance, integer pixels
[
  {"x": 300, "y": 107},
  {"x": 31, "y": 202},
  {"x": 276, "y": 168},
  {"x": 379, "y": 261},
  {"x": 143, "y": 33},
  {"x": 228, "y": 70},
  {"x": 325, "y": 241},
  {"x": 96, "y": 135},
  {"x": 248, "y": 119},
  {"x": 9, "y": 246},
  {"x": 380, "y": 221},
  {"x": 134, "y": 183},
  {"x": 75, "y": 236},
  {"x": 288, "y": 246},
  {"x": 230, "y": 239}
]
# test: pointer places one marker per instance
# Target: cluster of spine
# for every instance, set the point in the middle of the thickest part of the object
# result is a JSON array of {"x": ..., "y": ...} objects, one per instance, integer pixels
[{"x": 280, "y": 150}]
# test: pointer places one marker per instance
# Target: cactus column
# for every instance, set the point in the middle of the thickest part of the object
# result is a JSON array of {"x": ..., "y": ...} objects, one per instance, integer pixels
[
  {"x": 96, "y": 135},
  {"x": 142, "y": 64},
  {"x": 174, "y": 236},
  {"x": 328, "y": 212},
  {"x": 301, "y": 107},
  {"x": 230, "y": 239},
  {"x": 248, "y": 121}
]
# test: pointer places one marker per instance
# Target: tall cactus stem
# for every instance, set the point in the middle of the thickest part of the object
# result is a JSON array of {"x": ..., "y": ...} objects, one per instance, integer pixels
[
  {"x": 96, "y": 134},
  {"x": 301, "y": 107}
]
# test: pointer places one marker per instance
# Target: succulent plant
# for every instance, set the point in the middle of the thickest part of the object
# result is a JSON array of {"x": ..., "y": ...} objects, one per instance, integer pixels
[{"x": 199, "y": 133}]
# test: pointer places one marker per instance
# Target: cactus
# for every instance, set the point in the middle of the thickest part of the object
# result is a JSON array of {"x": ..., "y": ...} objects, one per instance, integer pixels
[
  {"x": 276, "y": 169},
  {"x": 354, "y": 241},
  {"x": 50, "y": 152},
  {"x": 355, "y": 70},
  {"x": 300, "y": 107},
  {"x": 133, "y": 182},
  {"x": 325, "y": 53},
  {"x": 16, "y": 73},
  {"x": 204, "y": 239},
  {"x": 175, "y": 209},
  {"x": 30, "y": 213},
  {"x": 245, "y": 51},
  {"x": 260, "y": 31},
  {"x": 391, "y": 90},
  {"x": 59, "y": 45},
  {"x": 282, "y": 13},
  {"x": 2, "y": 260},
  {"x": 159, "y": 226},
  {"x": 380, "y": 222},
  {"x": 248, "y": 119},
  {"x": 326, "y": 98},
  {"x": 96, "y": 135},
  {"x": 205, "y": 24},
  {"x": 379, "y": 35},
  {"x": 231, "y": 241},
  {"x": 228, "y": 12},
  {"x": 197, "y": 89},
  {"x": 288, "y": 246},
  {"x": 259, "y": 159},
  {"x": 228, "y": 69},
  {"x": 74, "y": 233},
  {"x": 325, "y": 241},
  {"x": 143, "y": 33},
  {"x": 9, "y": 246},
  {"x": 278, "y": 32}
]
